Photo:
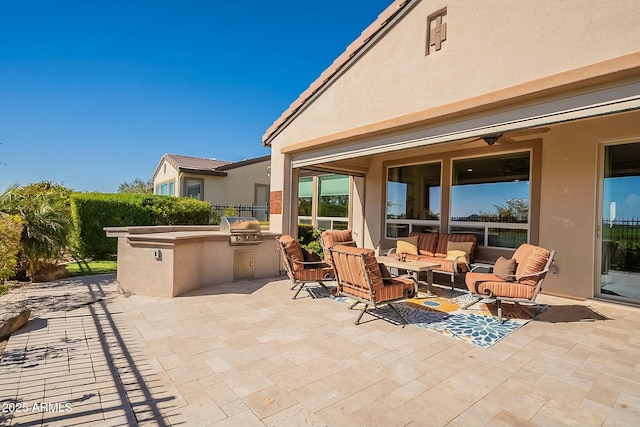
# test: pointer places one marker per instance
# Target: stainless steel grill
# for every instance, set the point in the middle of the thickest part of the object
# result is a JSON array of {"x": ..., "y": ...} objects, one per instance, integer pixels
[{"x": 242, "y": 230}]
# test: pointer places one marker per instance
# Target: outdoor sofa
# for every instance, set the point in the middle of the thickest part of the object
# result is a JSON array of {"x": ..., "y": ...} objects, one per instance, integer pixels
[{"x": 454, "y": 252}]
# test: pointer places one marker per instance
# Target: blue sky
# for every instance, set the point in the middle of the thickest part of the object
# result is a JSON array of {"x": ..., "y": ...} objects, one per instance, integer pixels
[
  {"x": 624, "y": 192},
  {"x": 465, "y": 199},
  {"x": 93, "y": 93}
]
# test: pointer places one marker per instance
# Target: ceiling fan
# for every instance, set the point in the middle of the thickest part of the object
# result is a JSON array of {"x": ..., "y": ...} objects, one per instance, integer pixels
[{"x": 507, "y": 137}]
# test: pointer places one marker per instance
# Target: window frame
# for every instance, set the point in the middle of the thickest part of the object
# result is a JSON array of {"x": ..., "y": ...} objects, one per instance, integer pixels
[
  {"x": 430, "y": 225},
  {"x": 534, "y": 146},
  {"x": 170, "y": 186},
  {"x": 185, "y": 187},
  {"x": 485, "y": 226},
  {"x": 324, "y": 222}
]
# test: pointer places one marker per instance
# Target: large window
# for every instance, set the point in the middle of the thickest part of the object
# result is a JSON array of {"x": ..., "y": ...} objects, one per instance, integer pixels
[
  {"x": 194, "y": 188},
  {"x": 305, "y": 197},
  {"x": 490, "y": 197},
  {"x": 413, "y": 199},
  {"x": 166, "y": 189},
  {"x": 332, "y": 201}
]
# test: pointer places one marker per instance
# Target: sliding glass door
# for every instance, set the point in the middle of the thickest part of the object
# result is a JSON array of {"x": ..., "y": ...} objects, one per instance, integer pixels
[{"x": 619, "y": 229}]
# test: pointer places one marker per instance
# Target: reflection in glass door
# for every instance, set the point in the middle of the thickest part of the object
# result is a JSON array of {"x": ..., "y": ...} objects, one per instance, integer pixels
[{"x": 620, "y": 232}]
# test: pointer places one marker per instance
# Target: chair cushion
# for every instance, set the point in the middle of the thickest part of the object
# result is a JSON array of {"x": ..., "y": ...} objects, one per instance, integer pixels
[
  {"x": 397, "y": 288},
  {"x": 407, "y": 245},
  {"x": 452, "y": 255},
  {"x": 427, "y": 243},
  {"x": 308, "y": 274},
  {"x": 445, "y": 238},
  {"x": 466, "y": 247},
  {"x": 531, "y": 259},
  {"x": 351, "y": 271},
  {"x": 330, "y": 238},
  {"x": 490, "y": 284},
  {"x": 293, "y": 251},
  {"x": 505, "y": 267},
  {"x": 446, "y": 265}
]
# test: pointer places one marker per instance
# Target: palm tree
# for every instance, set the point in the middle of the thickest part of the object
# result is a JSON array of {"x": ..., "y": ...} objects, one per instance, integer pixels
[{"x": 46, "y": 219}]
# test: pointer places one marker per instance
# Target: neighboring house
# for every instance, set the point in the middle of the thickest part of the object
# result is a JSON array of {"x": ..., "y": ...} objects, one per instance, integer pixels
[
  {"x": 447, "y": 114},
  {"x": 216, "y": 181}
]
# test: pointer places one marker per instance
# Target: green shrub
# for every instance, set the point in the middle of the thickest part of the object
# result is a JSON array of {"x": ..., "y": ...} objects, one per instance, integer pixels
[
  {"x": 215, "y": 218},
  {"x": 91, "y": 212},
  {"x": 230, "y": 211},
  {"x": 10, "y": 232},
  {"x": 306, "y": 233},
  {"x": 309, "y": 238},
  {"x": 176, "y": 210},
  {"x": 46, "y": 224}
]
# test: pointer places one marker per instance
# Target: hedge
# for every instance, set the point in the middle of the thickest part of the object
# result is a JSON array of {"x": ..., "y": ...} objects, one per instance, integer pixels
[
  {"x": 91, "y": 212},
  {"x": 10, "y": 233}
]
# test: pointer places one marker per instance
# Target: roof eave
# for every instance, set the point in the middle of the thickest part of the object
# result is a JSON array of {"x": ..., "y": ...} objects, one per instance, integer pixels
[
  {"x": 202, "y": 172},
  {"x": 332, "y": 71},
  {"x": 246, "y": 162}
]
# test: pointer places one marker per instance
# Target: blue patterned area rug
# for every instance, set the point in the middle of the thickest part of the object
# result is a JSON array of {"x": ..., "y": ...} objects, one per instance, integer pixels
[{"x": 444, "y": 314}]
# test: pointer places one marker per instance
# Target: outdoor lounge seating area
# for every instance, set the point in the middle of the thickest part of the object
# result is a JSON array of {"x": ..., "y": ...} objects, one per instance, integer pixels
[{"x": 365, "y": 279}]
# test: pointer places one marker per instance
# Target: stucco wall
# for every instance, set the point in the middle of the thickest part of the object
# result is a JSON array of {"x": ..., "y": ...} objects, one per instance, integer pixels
[
  {"x": 239, "y": 184},
  {"x": 568, "y": 210},
  {"x": 237, "y": 188},
  {"x": 166, "y": 173},
  {"x": 187, "y": 260},
  {"x": 491, "y": 45}
]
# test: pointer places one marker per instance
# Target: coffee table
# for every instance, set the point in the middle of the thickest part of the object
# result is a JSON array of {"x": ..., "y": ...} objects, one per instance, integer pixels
[{"x": 415, "y": 267}]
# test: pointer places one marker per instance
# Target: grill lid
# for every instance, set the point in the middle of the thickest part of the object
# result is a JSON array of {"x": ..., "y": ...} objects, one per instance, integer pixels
[{"x": 239, "y": 224}]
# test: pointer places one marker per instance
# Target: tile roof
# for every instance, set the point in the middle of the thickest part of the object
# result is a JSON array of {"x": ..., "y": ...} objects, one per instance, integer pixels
[
  {"x": 205, "y": 166},
  {"x": 367, "y": 35},
  {"x": 193, "y": 163},
  {"x": 245, "y": 162}
]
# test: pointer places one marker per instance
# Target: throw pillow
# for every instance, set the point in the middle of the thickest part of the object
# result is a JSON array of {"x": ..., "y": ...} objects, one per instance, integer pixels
[
  {"x": 310, "y": 256},
  {"x": 386, "y": 276},
  {"x": 505, "y": 268},
  {"x": 452, "y": 255},
  {"x": 407, "y": 245},
  {"x": 460, "y": 246}
]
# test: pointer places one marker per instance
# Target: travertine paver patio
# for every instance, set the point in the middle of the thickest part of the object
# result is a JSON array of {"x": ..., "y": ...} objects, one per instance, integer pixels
[{"x": 245, "y": 354}]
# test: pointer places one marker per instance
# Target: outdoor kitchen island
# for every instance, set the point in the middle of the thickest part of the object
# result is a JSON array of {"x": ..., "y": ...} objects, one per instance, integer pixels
[{"x": 168, "y": 261}]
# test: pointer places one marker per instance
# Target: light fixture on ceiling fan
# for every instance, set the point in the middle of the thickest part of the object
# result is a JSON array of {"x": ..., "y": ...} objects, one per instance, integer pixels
[
  {"x": 506, "y": 137},
  {"x": 492, "y": 139}
]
